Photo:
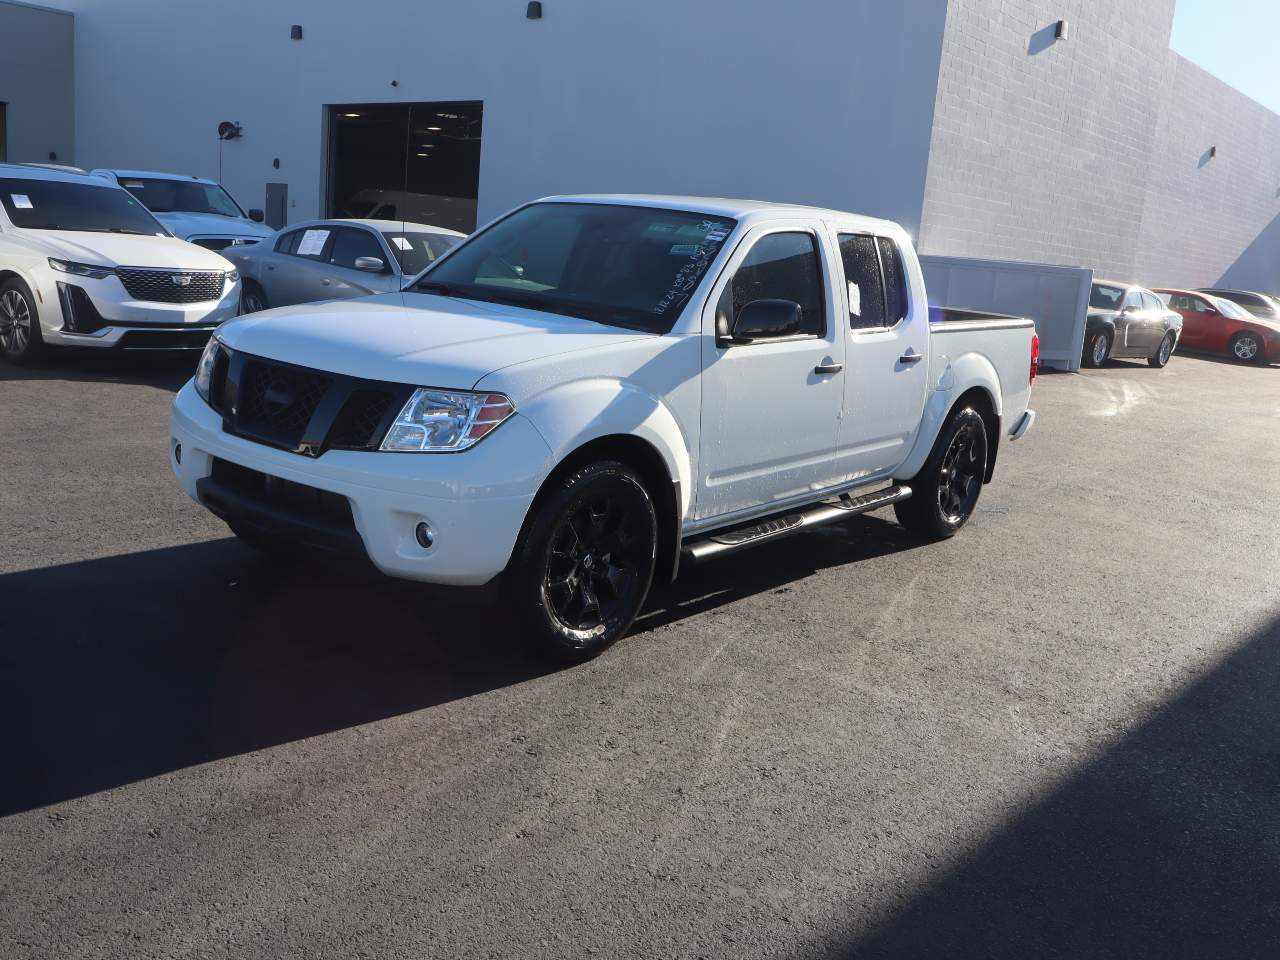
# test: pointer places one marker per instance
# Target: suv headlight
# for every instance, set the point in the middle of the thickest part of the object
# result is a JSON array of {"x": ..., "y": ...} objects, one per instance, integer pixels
[
  {"x": 204, "y": 369},
  {"x": 93, "y": 271},
  {"x": 233, "y": 276},
  {"x": 446, "y": 421}
]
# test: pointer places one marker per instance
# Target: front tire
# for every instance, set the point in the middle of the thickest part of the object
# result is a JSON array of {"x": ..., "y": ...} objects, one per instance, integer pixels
[
  {"x": 1246, "y": 347},
  {"x": 1096, "y": 350},
  {"x": 253, "y": 298},
  {"x": 1163, "y": 352},
  {"x": 945, "y": 491},
  {"x": 20, "y": 339},
  {"x": 583, "y": 567}
]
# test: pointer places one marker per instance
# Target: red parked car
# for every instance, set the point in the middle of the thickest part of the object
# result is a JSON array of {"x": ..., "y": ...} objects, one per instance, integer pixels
[{"x": 1215, "y": 325}]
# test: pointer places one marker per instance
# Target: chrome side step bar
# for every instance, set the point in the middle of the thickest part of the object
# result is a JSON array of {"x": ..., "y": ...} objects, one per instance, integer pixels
[{"x": 724, "y": 542}]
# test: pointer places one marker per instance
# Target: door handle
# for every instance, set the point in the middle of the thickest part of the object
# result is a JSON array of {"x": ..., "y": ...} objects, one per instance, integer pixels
[
  {"x": 270, "y": 266},
  {"x": 325, "y": 281},
  {"x": 911, "y": 356},
  {"x": 824, "y": 368}
]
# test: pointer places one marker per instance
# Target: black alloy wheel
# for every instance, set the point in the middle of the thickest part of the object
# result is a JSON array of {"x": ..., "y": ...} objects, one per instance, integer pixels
[
  {"x": 585, "y": 563},
  {"x": 945, "y": 491}
]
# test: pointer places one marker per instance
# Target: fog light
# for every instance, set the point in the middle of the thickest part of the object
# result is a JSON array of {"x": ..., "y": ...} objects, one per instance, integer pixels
[
  {"x": 177, "y": 452},
  {"x": 425, "y": 535}
]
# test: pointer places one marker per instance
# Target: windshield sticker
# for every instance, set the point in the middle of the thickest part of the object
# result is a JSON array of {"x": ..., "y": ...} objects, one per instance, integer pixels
[
  {"x": 22, "y": 201},
  {"x": 683, "y": 249},
  {"x": 133, "y": 184},
  {"x": 402, "y": 243},
  {"x": 313, "y": 242},
  {"x": 712, "y": 235}
]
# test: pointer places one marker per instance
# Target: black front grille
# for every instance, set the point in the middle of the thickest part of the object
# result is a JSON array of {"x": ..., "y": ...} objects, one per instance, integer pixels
[
  {"x": 299, "y": 409},
  {"x": 172, "y": 286},
  {"x": 363, "y": 419},
  {"x": 275, "y": 402}
]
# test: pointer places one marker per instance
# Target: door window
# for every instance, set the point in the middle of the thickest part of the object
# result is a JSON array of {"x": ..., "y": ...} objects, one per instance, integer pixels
[
  {"x": 1151, "y": 302},
  {"x": 895, "y": 281},
  {"x": 861, "y": 262},
  {"x": 1133, "y": 299},
  {"x": 350, "y": 243},
  {"x": 310, "y": 243},
  {"x": 783, "y": 266}
]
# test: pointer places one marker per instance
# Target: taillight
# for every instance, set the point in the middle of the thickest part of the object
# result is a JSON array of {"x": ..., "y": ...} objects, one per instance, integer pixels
[{"x": 1035, "y": 357}]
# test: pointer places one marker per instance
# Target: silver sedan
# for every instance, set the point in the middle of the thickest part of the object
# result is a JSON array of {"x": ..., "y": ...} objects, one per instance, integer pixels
[{"x": 335, "y": 260}]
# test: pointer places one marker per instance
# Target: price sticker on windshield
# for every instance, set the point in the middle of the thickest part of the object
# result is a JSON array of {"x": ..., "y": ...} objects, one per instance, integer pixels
[{"x": 22, "y": 201}]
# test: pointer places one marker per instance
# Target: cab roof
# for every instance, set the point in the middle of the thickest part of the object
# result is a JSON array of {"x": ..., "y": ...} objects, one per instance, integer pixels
[
  {"x": 22, "y": 171},
  {"x": 742, "y": 210}
]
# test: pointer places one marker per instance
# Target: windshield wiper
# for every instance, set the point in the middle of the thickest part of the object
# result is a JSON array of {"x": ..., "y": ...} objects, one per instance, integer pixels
[{"x": 439, "y": 286}]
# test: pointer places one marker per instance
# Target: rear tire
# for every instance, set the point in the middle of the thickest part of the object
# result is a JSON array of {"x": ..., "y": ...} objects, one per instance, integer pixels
[
  {"x": 1163, "y": 352},
  {"x": 20, "y": 338},
  {"x": 1097, "y": 348},
  {"x": 582, "y": 569},
  {"x": 1246, "y": 348},
  {"x": 945, "y": 491}
]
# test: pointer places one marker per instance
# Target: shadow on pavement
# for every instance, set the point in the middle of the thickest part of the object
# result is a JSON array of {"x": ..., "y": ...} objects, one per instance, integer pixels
[
  {"x": 1168, "y": 845},
  {"x": 128, "y": 667},
  {"x": 164, "y": 370}
]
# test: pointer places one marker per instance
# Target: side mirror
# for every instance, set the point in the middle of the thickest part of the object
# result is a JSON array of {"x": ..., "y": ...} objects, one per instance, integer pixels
[
  {"x": 761, "y": 319},
  {"x": 1210, "y": 308},
  {"x": 370, "y": 264},
  {"x": 1129, "y": 309},
  {"x": 256, "y": 215}
]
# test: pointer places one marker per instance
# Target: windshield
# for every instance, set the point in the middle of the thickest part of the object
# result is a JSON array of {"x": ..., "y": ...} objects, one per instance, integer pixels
[
  {"x": 64, "y": 205},
  {"x": 620, "y": 265},
  {"x": 1229, "y": 309},
  {"x": 1106, "y": 297},
  {"x": 182, "y": 196},
  {"x": 417, "y": 251}
]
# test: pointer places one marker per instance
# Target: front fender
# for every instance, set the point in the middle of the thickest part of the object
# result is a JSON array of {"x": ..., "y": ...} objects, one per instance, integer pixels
[
  {"x": 573, "y": 414},
  {"x": 1094, "y": 325},
  {"x": 950, "y": 379}
]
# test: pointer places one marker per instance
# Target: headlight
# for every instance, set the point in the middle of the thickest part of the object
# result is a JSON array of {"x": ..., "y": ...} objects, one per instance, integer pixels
[
  {"x": 80, "y": 269},
  {"x": 445, "y": 421},
  {"x": 204, "y": 369},
  {"x": 233, "y": 276}
]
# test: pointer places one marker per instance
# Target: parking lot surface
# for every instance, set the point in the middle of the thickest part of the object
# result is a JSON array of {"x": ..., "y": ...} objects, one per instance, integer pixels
[{"x": 1057, "y": 734}]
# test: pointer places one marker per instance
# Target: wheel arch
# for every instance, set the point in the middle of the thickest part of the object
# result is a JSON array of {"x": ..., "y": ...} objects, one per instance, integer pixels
[
  {"x": 967, "y": 379},
  {"x": 38, "y": 304},
  {"x": 643, "y": 457}
]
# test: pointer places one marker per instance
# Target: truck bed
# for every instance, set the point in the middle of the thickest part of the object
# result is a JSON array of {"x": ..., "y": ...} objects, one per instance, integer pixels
[{"x": 945, "y": 315}]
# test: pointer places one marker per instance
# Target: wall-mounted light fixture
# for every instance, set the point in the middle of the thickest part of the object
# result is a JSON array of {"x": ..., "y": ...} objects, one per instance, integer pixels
[
  {"x": 295, "y": 32},
  {"x": 534, "y": 10},
  {"x": 1213, "y": 152},
  {"x": 1062, "y": 30}
]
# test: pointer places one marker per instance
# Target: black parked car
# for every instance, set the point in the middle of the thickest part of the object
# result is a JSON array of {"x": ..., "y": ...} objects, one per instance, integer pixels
[
  {"x": 1259, "y": 304},
  {"x": 1126, "y": 320}
]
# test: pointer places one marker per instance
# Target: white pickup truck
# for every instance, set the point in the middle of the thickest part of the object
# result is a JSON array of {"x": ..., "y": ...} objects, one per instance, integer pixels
[{"x": 593, "y": 390}]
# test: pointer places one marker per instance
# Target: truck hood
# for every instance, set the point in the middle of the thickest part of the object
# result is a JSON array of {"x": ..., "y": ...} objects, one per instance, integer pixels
[
  {"x": 187, "y": 225},
  {"x": 419, "y": 339},
  {"x": 123, "y": 250}
]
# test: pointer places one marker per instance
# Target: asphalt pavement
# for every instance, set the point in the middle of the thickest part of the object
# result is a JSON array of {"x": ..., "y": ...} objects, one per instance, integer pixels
[{"x": 1057, "y": 734}]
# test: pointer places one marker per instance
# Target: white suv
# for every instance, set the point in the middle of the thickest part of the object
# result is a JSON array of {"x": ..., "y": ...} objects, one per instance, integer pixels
[{"x": 82, "y": 263}]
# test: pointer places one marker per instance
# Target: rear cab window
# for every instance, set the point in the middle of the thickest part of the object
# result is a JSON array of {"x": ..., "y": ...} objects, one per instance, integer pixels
[{"x": 875, "y": 280}]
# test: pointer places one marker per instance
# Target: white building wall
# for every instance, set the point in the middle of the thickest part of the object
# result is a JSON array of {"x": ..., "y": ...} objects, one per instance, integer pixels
[
  {"x": 816, "y": 101},
  {"x": 36, "y": 76}
]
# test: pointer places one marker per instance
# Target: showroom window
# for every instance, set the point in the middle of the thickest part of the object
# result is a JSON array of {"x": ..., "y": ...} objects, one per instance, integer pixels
[{"x": 407, "y": 162}]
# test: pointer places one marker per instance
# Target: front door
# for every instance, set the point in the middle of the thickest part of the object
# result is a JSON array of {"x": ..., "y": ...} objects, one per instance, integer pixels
[
  {"x": 886, "y": 369},
  {"x": 345, "y": 279},
  {"x": 770, "y": 407}
]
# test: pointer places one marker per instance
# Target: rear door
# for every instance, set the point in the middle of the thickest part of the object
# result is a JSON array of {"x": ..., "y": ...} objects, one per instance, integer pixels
[
  {"x": 294, "y": 272},
  {"x": 770, "y": 407},
  {"x": 886, "y": 371}
]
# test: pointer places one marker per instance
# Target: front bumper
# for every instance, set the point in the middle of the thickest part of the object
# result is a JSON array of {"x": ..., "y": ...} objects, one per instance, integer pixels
[
  {"x": 108, "y": 318},
  {"x": 474, "y": 502}
]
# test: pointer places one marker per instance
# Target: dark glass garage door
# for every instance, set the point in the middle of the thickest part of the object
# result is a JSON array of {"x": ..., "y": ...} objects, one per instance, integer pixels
[{"x": 417, "y": 162}]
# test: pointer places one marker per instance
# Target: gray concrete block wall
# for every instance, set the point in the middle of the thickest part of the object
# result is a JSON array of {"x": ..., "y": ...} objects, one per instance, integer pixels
[
  {"x": 1041, "y": 147},
  {"x": 37, "y": 82},
  {"x": 1211, "y": 220}
]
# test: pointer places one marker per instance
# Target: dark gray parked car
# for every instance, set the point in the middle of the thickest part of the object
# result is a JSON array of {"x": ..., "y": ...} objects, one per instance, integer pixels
[
  {"x": 1259, "y": 304},
  {"x": 336, "y": 260},
  {"x": 1128, "y": 321}
]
